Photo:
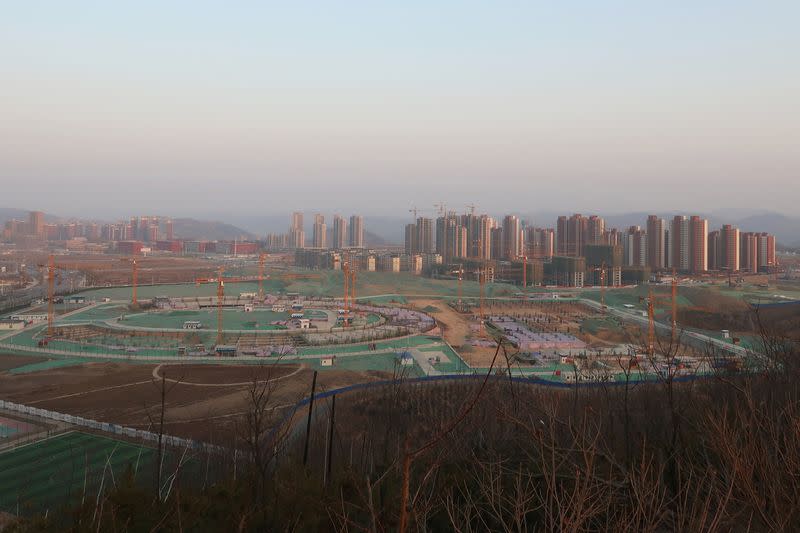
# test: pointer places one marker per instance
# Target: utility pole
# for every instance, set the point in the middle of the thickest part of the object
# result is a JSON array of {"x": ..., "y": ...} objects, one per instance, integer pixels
[
  {"x": 159, "y": 460},
  {"x": 308, "y": 422},
  {"x": 329, "y": 454}
]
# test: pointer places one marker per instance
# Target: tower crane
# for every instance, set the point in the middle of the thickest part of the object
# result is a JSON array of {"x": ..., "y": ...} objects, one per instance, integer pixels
[
  {"x": 603, "y": 286},
  {"x": 346, "y": 275},
  {"x": 349, "y": 274},
  {"x": 461, "y": 288},
  {"x": 134, "y": 279},
  {"x": 51, "y": 285},
  {"x": 353, "y": 271},
  {"x": 220, "y": 281},
  {"x": 460, "y": 276},
  {"x": 651, "y": 326},
  {"x": 524, "y": 273},
  {"x": 262, "y": 257},
  {"x": 51, "y": 290},
  {"x": 482, "y": 283}
]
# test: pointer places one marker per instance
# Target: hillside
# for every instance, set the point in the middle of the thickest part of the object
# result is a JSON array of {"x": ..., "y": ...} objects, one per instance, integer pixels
[
  {"x": 11, "y": 213},
  {"x": 190, "y": 228}
]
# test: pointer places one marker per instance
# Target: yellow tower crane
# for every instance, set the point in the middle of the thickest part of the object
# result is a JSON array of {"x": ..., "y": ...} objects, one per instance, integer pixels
[
  {"x": 349, "y": 274},
  {"x": 51, "y": 285},
  {"x": 346, "y": 276},
  {"x": 460, "y": 288},
  {"x": 220, "y": 281},
  {"x": 353, "y": 271},
  {"x": 262, "y": 257},
  {"x": 651, "y": 321},
  {"x": 482, "y": 294},
  {"x": 134, "y": 282},
  {"x": 524, "y": 273}
]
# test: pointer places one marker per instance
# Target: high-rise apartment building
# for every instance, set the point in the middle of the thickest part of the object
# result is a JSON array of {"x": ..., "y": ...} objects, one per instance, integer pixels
[
  {"x": 297, "y": 220},
  {"x": 634, "y": 247},
  {"x": 496, "y": 243},
  {"x": 472, "y": 223},
  {"x": 482, "y": 240},
  {"x": 425, "y": 244},
  {"x": 595, "y": 228},
  {"x": 444, "y": 235},
  {"x": 612, "y": 237},
  {"x": 540, "y": 243},
  {"x": 714, "y": 249},
  {"x": 748, "y": 252},
  {"x": 766, "y": 251},
  {"x": 456, "y": 241},
  {"x": 277, "y": 241},
  {"x": 319, "y": 231},
  {"x": 699, "y": 244},
  {"x": 729, "y": 248},
  {"x": 339, "y": 232},
  {"x": 656, "y": 254},
  {"x": 512, "y": 238},
  {"x": 297, "y": 235},
  {"x": 572, "y": 232},
  {"x": 356, "y": 232},
  {"x": 36, "y": 223},
  {"x": 679, "y": 240},
  {"x": 411, "y": 244}
]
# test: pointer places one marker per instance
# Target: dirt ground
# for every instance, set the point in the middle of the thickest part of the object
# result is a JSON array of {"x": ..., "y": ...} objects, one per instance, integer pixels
[
  {"x": 127, "y": 394},
  {"x": 7, "y": 362},
  {"x": 564, "y": 317},
  {"x": 116, "y": 269},
  {"x": 481, "y": 357},
  {"x": 224, "y": 374},
  {"x": 455, "y": 325}
]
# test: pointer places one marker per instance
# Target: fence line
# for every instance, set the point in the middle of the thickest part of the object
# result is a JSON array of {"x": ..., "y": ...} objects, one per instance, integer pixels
[{"x": 106, "y": 427}]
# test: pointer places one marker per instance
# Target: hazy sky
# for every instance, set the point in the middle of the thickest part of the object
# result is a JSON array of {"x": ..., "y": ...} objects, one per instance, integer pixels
[{"x": 193, "y": 107}]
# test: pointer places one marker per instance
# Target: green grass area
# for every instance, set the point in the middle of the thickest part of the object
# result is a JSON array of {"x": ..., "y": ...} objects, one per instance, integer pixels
[
  {"x": 594, "y": 325},
  {"x": 385, "y": 362},
  {"x": 96, "y": 314},
  {"x": 51, "y": 473},
  {"x": 390, "y": 283},
  {"x": 100, "y": 345},
  {"x": 396, "y": 344},
  {"x": 49, "y": 365},
  {"x": 750, "y": 342},
  {"x": 181, "y": 290},
  {"x": 455, "y": 365},
  {"x": 384, "y": 300},
  {"x": 234, "y": 319},
  {"x": 636, "y": 296},
  {"x": 24, "y": 337},
  {"x": 771, "y": 294}
]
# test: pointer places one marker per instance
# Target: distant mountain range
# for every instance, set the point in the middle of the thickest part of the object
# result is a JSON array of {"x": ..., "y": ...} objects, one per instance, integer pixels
[
  {"x": 211, "y": 230},
  {"x": 378, "y": 231},
  {"x": 389, "y": 229},
  {"x": 10, "y": 213}
]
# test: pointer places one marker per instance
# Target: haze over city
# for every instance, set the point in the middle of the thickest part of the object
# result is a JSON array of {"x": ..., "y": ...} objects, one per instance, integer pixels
[
  {"x": 410, "y": 266},
  {"x": 193, "y": 108}
]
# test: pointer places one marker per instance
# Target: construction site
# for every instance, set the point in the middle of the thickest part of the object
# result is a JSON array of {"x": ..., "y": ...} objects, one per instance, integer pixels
[{"x": 102, "y": 364}]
